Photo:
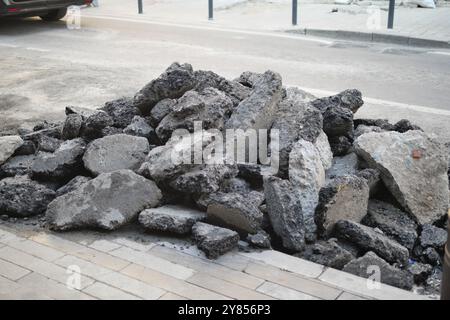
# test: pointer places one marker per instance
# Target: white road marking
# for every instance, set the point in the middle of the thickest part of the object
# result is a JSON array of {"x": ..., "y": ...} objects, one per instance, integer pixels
[
  {"x": 37, "y": 49},
  {"x": 380, "y": 102},
  {"x": 170, "y": 24},
  {"x": 444, "y": 53},
  {"x": 8, "y": 45}
]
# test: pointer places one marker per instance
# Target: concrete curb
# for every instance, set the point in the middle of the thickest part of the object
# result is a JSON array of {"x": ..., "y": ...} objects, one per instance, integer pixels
[{"x": 373, "y": 37}]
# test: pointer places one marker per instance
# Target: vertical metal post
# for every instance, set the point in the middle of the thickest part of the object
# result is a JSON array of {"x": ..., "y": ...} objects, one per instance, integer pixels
[
  {"x": 294, "y": 12},
  {"x": 140, "y": 7},
  {"x": 391, "y": 14},
  {"x": 210, "y": 9},
  {"x": 445, "y": 283}
]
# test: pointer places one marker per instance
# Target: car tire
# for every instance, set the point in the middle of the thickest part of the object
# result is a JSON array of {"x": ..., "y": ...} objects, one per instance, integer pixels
[{"x": 54, "y": 15}]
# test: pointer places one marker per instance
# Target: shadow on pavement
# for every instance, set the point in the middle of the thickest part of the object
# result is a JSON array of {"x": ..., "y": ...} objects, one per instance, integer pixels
[{"x": 23, "y": 26}]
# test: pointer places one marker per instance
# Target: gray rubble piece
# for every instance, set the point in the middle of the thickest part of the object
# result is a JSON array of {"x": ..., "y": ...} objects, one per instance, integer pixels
[
  {"x": 48, "y": 144},
  {"x": 285, "y": 212},
  {"x": 235, "y": 211},
  {"x": 27, "y": 148},
  {"x": 160, "y": 110},
  {"x": 233, "y": 89},
  {"x": 372, "y": 176},
  {"x": 72, "y": 126},
  {"x": 62, "y": 165},
  {"x": 93, "y": 125},
  {"x": 255, "y": 173},
  {"x": 349, "y": 99},
  {"x": 369, "y": 239},
  {"x": 395, "y": 223},
  {"x": 261, "y": 240},
  {"x": 72, "y": 185},
  {"x": 420, "y": 271},
  {"x": 340, "y": 146},
  {"x": 17, "y": 166},
  {"x": 327, "y": 253},
  {"x": 214, "y": 241},
  {"x": 294, "y": 120},
  {"x": 338, "y": 122},
  {"x": 413, "y": 167},
  {"x": 371, "y": 265},
  {"x": 432, "y": 236},
  {"x": 362, "y": 128},
  {"x": 204, "y": 179},
  {"x": 258, "y": 110},
  {"x": 139, "y": 127},
  {"x": 171, "y": 218},
  {"x": 173, "y": 83},
  {"x": 120, "y": 151},
  {"x": 122, "y": 111},
  {"x": 107, "y": 202},
  {"x": 22, "y": 197},
  {"x": 8, "y": 145},
  {"x": 307, "y": 174},
  {"x": 343, "y": 166},
  {"x": 343, "y": 198},
  {"x": 211, "y": 107}
]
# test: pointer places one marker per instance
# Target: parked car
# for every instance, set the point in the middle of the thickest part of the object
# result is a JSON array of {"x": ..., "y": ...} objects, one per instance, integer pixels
[{"x": 47, "y": 10}]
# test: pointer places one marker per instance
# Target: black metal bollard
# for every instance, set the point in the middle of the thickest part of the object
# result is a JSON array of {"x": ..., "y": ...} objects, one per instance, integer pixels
[
  {"x": 294, "y": 12},
  {"x": 140, "y": 7},
  {"x": 391, "y": 14},
  {"x": 445, "y": 283},
  {"x": 210, "y": 9}
]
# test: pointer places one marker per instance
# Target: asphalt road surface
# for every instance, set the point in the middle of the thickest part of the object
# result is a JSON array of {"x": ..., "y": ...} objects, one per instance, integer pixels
[{"x": 45, "y": 67}]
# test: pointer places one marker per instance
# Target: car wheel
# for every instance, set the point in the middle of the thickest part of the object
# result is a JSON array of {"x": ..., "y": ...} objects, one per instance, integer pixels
[{"x": 54, "y": 15}]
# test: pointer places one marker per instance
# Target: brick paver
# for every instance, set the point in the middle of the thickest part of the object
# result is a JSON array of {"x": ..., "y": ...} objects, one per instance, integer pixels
[{"x": 36, "y": 265}]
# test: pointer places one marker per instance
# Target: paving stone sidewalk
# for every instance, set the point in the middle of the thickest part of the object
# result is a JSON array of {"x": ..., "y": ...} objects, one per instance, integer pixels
[
  {"x": 42, "y": 265},
  {"x": 364, "y": 16}
]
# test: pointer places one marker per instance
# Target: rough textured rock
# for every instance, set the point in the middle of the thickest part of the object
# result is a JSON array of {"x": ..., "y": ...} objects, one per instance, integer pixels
[
  {"x": 433, "y": 283},
  {"x": 372, "y": 176},
  {"x": 62, "y": 165},
  {"x": 175, "y": 219},
  {"x": 343, "y": 166},
  {"x": 72, "y": 126},
  {"x": 404, "y": 125},
  {"x": 381, "y": 123},
  {"x": 395, "y": 223},
  {"x": 350, "y": 99},
  {"x": 214, "y": 241},
  {"x": 370, "y": 240},
  {"x": 53, "y": 131},
  {"x": 107, "y": 202},
  {"x": 211, "y": 106},
  {"x": 233, "y": 89},
  {"x": 8, "y": 145},
  {"x": 94, "y": 124},
  {"x": 72, "y": 185},
  {"x": 257, "y": 111},
  {"x": 362, "y": 128},
  {"x": 110, "y": 131},
  {"x": 235, "y": 211},
  {"x": 48, "y": 144},
  {"x": 27, "y": 148},
  {"x": 340, "y": 146},
  {"x": 122, "y": 111},
  {"x": 295, "y": 119},
  {"x": 139, "y": 127},
  {"x": 173, "y": 83},
  {"x": 431, "y": 255},
  {"x": 307, "y": 174},
  {"x": 255, "y": 173},
  {"x": 261, "y": 239},
  {"x": 324, "y": 149},
  {"x": 17, "y": 166},
  {"x": 160, "y": 110},
  {"x": 327, "y": 253},
  {"x": 414, "y": 169},
  {"x": 432, "y": 236},
  {"x": 20, "y": 196},
  {"x": 204, "y": 179},
  {"x": 344, "y": 198},
  {"x": 338, "y": 122},
  {"x": 390, "y": 275},
  {"x": 115, "y": 152},
  {"x": 420, "y": 271},
  {"x": 236, "y": 185},
  {"x": 285, "y": 211}
]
